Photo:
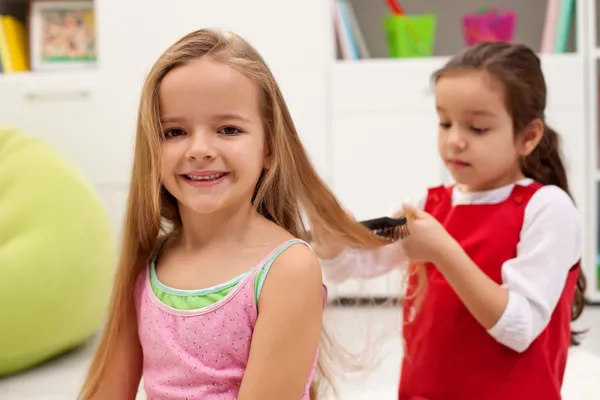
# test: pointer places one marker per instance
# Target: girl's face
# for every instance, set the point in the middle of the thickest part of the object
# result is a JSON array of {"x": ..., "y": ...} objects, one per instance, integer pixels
[
  {"x": 476, "y": 139},
  {"x": 213, "y": 146}
]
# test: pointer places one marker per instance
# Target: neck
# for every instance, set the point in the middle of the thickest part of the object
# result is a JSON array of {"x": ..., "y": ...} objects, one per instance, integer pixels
[
  {"x": 228, "y": 226},
  {"x": 499, "y": 182}
]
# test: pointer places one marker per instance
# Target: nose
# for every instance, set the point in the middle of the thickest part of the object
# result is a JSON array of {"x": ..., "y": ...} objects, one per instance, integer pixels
[
  {"x": 455, "y": 139},
  {"x": 201, "y": 146}
]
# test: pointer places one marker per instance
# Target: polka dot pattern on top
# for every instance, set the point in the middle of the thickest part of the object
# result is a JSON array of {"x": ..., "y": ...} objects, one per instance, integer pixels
[{"x": 199, "y": 354}]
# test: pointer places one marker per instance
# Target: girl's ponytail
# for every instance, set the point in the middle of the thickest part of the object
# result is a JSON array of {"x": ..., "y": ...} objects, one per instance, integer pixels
[{"x": 545, "y": 164}]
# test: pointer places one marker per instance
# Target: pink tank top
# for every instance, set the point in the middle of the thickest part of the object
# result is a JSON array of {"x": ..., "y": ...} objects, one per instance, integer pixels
[{"x": 200, "y": 354}]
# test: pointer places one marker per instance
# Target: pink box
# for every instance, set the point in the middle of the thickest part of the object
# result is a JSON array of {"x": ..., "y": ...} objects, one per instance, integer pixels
[{"x": 492, "y": 25}]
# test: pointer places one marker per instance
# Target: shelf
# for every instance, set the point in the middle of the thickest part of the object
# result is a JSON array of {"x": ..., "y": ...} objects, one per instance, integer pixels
[
  {"x": 448, "y": 36},
  {"x": 48, "y": 86},
  {"x": 33, "y": 76}
]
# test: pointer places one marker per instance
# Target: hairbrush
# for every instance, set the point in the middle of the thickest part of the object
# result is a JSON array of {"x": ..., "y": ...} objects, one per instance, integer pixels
[{"x": 388, "y": 228}]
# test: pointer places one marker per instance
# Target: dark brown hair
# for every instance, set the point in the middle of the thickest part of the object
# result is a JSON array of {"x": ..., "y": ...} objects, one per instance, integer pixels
[{"x": 519, "y": 70}]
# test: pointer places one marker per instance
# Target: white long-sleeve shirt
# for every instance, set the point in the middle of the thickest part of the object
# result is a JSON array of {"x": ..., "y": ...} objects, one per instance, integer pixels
[{"x": 550, "y": 244}]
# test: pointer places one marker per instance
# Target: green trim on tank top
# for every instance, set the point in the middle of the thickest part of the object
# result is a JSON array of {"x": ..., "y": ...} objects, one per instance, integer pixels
[{"x": 198, "y": 299}]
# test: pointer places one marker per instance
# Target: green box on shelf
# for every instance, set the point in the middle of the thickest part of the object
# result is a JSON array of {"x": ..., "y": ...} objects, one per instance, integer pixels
[
  {"x": 598, "y": 276},
  {"x": 410, "y": 35}
]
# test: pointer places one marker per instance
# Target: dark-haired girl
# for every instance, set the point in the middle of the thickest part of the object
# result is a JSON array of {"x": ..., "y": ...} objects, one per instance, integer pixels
[{"x": 501, "y": 247}]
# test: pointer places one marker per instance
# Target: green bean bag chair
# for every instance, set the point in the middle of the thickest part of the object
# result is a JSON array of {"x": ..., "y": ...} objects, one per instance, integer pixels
[{"x": 57, "y": 254}]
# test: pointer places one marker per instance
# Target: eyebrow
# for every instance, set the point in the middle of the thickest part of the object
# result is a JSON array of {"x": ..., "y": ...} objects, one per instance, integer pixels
[
  {"x": 483, "y": 112},
  {"x": 232, "y": 115},
  {"x": 474, "y": 112},
  {"x": 219, "y": 117},
  {"x": 170, "y": 119}
]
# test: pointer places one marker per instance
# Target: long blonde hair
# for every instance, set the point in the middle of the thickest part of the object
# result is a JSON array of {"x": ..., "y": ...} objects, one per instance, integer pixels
[{"x": 289, "y": 187}]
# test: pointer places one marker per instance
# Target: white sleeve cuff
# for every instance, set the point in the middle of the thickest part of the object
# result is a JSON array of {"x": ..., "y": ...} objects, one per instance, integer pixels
[{"x": 514, "y": 328}]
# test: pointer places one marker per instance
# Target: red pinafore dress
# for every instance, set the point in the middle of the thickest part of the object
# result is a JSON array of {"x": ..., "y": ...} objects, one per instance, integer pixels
[{"x": 449, "y": 355}]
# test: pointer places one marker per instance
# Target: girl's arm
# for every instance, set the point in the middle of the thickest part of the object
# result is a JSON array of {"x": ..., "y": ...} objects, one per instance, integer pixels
[
  {"x": 517, "y": 311},
  {"x": 287, "y": 332},
  {"x": 123, "y": 372},
  {"x": 363, "y": 263},
  {"x": 341, "y": 263}
]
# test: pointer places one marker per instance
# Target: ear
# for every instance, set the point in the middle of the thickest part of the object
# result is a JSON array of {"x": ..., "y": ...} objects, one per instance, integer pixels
[
  {"x": 267, "y": 163},
  {"x": 267, "y": 159},
  {"x": 531, "y": 136}
]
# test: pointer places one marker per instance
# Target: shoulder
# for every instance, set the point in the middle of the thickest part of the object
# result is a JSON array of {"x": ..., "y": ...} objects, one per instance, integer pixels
[
  {"x": 552, "y": 202},
  {"x": 292, "y": 256},
  {"x": 552, "y": 218},
  {"x": 297, "y": 264},
  {"x": 295, "y": 269}
]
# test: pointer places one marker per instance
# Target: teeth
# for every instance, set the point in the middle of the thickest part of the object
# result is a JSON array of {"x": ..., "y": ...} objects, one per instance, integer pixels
[{"x": 204, "y": 178}]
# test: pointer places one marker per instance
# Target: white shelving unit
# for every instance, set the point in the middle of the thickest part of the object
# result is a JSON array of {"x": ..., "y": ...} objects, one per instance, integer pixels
[
  {"x": 592, "y": 155},
  {"x": 448, "y": 35}
]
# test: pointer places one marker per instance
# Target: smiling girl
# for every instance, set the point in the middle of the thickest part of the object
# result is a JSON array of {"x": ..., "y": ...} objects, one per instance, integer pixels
[{"x": 217, "y": 294}]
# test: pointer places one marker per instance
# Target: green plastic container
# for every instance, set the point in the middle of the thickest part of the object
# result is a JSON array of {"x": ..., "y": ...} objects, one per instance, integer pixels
[{"x": 410, "y": 35}]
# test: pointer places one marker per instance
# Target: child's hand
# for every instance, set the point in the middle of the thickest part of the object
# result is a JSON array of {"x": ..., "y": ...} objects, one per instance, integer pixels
[{"x": 428, "y": 239}]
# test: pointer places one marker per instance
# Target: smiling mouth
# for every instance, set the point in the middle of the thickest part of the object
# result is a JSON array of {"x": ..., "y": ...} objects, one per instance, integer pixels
[{"x": 212, "y": 177}]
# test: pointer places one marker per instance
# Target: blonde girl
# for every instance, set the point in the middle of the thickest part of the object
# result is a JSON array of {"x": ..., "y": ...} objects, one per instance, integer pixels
[{"x": 219, "y": 184}]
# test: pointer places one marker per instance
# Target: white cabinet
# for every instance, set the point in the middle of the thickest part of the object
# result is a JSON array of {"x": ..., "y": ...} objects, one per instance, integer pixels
[
  {"x": 59, "y": 108},
  {"x": 384, "y": 133},
  {"x": 11, "y": 101},
  {"x": 384, "y": 85},
  {"x": 380, "y": 159}
]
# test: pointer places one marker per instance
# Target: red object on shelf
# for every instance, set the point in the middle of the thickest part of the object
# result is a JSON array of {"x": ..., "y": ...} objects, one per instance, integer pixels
[{"x": 395, "y": 7}]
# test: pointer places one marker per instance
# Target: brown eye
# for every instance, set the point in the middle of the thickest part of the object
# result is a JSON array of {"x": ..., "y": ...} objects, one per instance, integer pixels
[
  {"x": 169, "y": 133},
  {"x": 229, "y": 130}
]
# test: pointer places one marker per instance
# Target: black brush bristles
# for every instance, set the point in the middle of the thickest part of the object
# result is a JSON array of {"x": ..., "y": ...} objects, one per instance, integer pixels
[{"x": 388, "y": 228}]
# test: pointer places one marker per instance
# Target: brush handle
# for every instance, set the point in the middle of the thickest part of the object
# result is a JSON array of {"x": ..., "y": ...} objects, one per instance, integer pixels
[{"x": 384, "y": 222}]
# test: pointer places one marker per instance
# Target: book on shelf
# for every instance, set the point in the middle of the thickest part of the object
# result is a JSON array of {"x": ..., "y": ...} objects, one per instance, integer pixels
[
  {"x": 557, "y": 26},
  {"x": 349, "y": 36},
  {"x": 13, "y": 45}
]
